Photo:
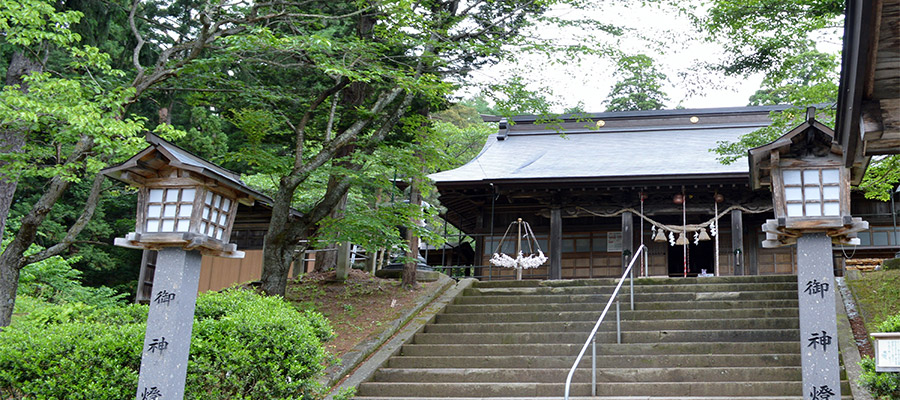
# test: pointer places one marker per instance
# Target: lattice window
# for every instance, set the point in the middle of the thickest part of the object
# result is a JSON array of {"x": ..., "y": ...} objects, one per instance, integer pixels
[
  {"x": 169, "y": 210},
  {"x": 215, "y": 215},
  {"x": 812, "y": 192}
]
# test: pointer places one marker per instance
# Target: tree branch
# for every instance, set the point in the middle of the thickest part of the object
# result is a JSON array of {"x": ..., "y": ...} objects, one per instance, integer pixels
[{"x": 89, "y": 207}]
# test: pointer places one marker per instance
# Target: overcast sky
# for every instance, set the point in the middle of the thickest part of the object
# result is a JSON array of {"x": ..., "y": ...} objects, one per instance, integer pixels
[{"x": 591, "y": 81}]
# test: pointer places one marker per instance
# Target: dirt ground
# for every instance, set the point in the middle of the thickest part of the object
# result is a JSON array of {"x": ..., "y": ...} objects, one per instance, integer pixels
[{"x": 360, "y": 307}]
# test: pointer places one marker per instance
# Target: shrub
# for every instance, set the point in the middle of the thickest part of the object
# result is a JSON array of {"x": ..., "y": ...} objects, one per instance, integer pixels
[
  {"x": 244, "y": 346},
  {"x": 56, "y": 281},
  {"x": 247, "y": 346},
  {"x": 73, "y": 360},
  {"x": 891, "y": 264},
  {"x": 882, "y": 385}
]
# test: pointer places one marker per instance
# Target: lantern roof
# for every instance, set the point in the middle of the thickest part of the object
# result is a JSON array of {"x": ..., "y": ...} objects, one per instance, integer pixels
[
  {"x": 161, "y": 154},
  {"x": 810, "y": 138}
]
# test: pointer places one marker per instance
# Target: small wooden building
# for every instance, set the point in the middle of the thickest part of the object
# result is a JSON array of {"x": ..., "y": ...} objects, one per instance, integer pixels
[{"x": 592, "y": 187}]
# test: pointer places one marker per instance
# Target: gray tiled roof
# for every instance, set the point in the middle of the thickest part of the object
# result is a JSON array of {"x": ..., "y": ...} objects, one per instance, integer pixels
[{"x": 631, "y": 152}]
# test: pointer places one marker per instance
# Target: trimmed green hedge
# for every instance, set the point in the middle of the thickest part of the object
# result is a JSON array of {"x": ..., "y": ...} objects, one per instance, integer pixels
[
  {"x": 244, "y": 346},
  {"x": 882, "y": 385}
]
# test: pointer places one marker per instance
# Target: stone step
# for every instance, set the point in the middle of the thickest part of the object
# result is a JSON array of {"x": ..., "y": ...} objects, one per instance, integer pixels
[
  {"x": 624, "y": 315},
  {"x": 845, "y": 396},
  {"x": 571, "y": 349},
  {"x": 604, "y": 375},
  {"x": 662, "y": 336},
  {"x": 638, "y": 297},
  {"x": 505, "y": 324},
  {"x": 642, "y": 281},
  {"x": 753, "y": 306},
  {"x": 528, "y": 389},
  {"x": 607, "y": 361},
  {"x": 607, "y": 289}
]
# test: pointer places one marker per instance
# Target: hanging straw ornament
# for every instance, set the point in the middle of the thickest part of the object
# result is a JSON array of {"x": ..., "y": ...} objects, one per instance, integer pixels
[
  {"x": 703, "y": 235},
  {"x": 521, "y": 261},
  {"x": 503, "y": 260},
  {"x": 660, "y": 235},
  {"x": 682, "y": 239}
]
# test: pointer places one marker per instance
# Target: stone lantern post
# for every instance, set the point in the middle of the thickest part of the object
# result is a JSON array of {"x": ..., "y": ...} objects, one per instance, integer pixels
[
  {"x": 186, "y": 208},
  {"x": 811, "y": 195}
]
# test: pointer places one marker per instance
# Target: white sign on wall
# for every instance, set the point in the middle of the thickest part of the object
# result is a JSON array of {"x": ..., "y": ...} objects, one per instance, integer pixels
[
  {"x": 614, "y": 242},
  {"x": 887, "y": 352}
]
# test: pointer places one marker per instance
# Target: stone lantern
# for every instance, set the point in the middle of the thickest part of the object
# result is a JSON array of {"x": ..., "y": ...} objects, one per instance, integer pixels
[
  {"x": 186, "y": 208},
  {"x": 809, "y": 183},
  {"x": 811, "y": 199}
]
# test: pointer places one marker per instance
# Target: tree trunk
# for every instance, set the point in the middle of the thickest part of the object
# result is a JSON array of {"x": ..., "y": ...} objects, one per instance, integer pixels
[
  {"x": 9, "y": 282},
  {"x": 12, "y": 140},
  {"x": 409, "y": 269}
]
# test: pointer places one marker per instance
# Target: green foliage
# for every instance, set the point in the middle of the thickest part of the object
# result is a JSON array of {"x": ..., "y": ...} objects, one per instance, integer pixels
[
  {"x": 74, "y": 360},
  {"x": 247, "y": 346},
  {"x": 100, "y": 263},
  {"x": 778, "y": 38},
  {"x": 639, "y": 86},
  {"x": 891, "y": 265},
  {"x": 244, "y": 346},
  {"x": 882, "y": 385},
  {"x": 55, "y": 280},
  {"x": 878, "y": 296},
  {"x": 515, "y": 97},
  {"x": 766, "y": 35},
  {"x": 882, "y": 177}
]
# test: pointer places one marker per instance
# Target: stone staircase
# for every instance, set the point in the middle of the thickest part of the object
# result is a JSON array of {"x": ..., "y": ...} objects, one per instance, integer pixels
[{"x": 708, "y": 338}]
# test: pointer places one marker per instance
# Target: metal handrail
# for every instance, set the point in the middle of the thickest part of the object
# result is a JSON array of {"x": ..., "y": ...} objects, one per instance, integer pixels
[{"x": 591, "y": 337}]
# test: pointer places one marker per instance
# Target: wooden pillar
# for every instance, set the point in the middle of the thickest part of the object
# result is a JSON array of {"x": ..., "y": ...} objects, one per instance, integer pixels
[
  {"x": 342, "y": 268},
  {"x": 627, "y": 238},
  {"x": 752, "y": 267},
  {"x": 555, "y": 243},
  {"x": 737, "y": 241}
]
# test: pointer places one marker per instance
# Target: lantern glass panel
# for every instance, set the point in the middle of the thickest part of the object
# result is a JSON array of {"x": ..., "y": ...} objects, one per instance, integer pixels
[
  {"x": 219, "y": 232},
  {"x": 152, "y": 225},
  {"x": 156, "y": 195},
  {"x": 169, "y": 211},
  {"x": 831, "y": 193},
  {"x": 795, "y": 210},
  {"x": 793, "y": 194},
  {"x": 831, "y": 176},
  {"x": 832, "y": 209},
  {"x": 187, "y": 195},
  {"x": 792, "y": 177},
  {"x": 183, "y": 225},
  {"x": 168, "y": 225},
  {"x": 209, "y": 197},
  {"x": 811, "y": 176},
  {"x": 226, "y": 204},
  {"x": 172, "y": 196},
  {"x": 185, "y": 210},
  {"x": 813, "y": 209},
  {"x": 811, "y": 193},
  {"x": 154, "y": 211}
]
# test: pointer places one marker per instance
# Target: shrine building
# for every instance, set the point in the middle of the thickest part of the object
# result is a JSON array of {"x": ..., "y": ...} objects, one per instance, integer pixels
[{"x": 594, "y": 187}]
